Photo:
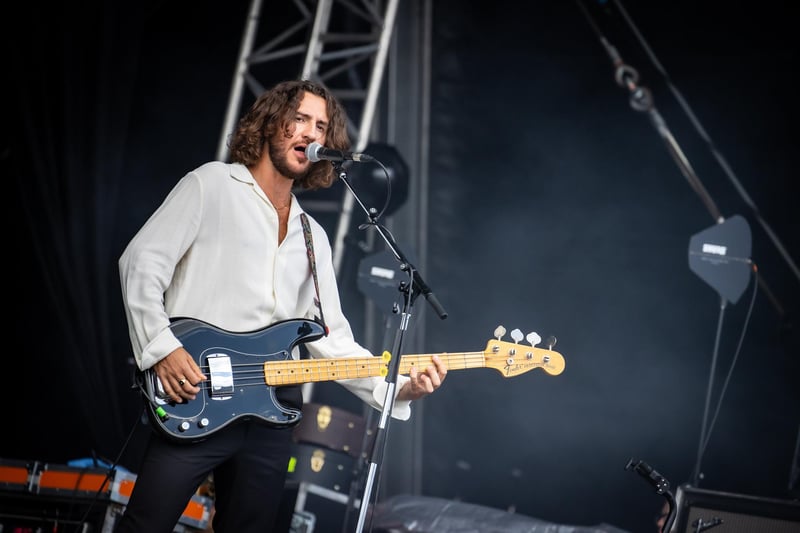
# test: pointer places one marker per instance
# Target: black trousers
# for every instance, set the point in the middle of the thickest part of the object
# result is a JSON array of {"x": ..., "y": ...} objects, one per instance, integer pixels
[{"x": 249, "y": 461}]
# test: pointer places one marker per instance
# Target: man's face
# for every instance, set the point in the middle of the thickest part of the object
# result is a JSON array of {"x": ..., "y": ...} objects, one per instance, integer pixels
[{"x": 310, "y": 125}]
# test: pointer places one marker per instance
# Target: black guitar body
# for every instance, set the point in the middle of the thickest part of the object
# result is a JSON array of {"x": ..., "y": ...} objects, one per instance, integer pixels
[{"x": 236, "y": 389}]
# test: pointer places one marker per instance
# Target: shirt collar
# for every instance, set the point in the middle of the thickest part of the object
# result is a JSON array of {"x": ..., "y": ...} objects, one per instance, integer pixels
[{"x": 241, "y": 173}]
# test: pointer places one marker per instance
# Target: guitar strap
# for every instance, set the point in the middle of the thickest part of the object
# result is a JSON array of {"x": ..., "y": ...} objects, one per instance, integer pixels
[{"x": 313, "y": 264}]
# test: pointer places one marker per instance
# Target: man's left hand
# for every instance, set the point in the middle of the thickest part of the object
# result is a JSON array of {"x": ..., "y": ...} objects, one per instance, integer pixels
[{"x": 423, "y": 382}]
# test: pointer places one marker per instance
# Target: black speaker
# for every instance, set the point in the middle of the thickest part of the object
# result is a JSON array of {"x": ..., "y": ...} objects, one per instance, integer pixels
[{"x": 724, "y": 512}]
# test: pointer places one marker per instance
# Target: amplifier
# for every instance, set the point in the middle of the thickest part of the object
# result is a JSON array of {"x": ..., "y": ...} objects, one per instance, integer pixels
[{"x": 700, "y": 510}]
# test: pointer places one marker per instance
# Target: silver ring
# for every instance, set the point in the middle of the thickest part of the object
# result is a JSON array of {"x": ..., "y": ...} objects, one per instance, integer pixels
[{"x": 182, "y": 382}]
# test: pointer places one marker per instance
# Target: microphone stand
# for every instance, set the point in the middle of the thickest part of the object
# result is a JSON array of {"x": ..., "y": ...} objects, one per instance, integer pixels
[{"x": 411, "y": 289}]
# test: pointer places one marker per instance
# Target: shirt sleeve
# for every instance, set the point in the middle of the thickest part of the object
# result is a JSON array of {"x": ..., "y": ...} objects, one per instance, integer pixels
[
  {"x": 147, "y": 265},
  {"x": 340, "y": 341}
]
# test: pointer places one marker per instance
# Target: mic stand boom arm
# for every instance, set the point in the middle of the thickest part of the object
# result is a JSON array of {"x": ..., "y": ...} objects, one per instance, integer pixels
[{"x": 411, "y": 290}]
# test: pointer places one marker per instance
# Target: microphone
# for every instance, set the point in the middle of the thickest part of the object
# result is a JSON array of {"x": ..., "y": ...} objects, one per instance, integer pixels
[
  {"x": 316, "y": 152},
  {"x": 649, "y": 474}
]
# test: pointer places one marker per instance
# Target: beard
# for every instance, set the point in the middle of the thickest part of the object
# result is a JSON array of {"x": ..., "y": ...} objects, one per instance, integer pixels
[{"x": 277, "y": 155}]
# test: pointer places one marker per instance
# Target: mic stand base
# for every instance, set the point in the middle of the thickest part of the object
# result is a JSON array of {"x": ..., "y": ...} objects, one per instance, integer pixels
[
  {"x": 379, "y": 444},
  {"x": 373, "y": 465}
]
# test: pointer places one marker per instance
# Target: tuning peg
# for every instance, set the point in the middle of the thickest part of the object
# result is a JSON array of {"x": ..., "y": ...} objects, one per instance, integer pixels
[
  {"x": 551, "y": 341},
  {"x": 516, "y": 334},
  {"x": 499, "y": 331},
  {"x": 533, "y": 338}
]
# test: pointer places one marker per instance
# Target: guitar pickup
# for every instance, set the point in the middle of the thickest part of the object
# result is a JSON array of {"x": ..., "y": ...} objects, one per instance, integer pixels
[{"x": 221, "y": 374}]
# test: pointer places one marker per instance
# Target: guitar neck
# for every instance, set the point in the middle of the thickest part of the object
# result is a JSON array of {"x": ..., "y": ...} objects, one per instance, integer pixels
[
  {"x": 294, "y": 372},
  {"x": 453, "y": 361}
]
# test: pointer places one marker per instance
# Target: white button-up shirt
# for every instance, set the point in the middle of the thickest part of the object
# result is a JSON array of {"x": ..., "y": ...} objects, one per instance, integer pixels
[{"x": 211, "y": 252}]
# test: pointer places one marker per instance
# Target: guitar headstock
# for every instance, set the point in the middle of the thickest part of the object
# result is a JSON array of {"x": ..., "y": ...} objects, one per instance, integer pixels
[{"x": 513, "y": 359}]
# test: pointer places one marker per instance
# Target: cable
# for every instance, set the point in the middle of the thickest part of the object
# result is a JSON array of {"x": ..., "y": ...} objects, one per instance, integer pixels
[
  {"x": 372, "y": 213},
  {"x": 730, "y": 370},
  {"x": 111, "y": 470}
]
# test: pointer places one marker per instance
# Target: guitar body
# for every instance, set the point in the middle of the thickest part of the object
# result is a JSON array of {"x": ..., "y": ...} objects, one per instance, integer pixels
[{"x": 236, "y": 389}]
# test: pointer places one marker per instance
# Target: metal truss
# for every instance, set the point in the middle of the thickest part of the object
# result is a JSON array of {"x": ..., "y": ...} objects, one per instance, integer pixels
[{"x": 344, "y": 45}]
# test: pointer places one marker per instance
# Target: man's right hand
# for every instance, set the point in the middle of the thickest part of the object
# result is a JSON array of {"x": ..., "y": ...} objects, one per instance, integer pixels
[{"x": 179, "y": 375}]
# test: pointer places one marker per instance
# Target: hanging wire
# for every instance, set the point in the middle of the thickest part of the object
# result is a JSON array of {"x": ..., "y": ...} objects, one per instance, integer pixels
[{"x": 718, "y": 407}]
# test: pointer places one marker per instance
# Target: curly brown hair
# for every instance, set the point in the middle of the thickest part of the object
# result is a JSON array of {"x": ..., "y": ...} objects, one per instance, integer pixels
[{"x": 275, "y": 110}]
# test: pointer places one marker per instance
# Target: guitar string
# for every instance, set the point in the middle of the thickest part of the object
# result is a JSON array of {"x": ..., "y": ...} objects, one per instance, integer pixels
[
  {"x": 318, "y": 370},
  {"x": 314, "y": 370},
  {"x": 323, "y": 364}
]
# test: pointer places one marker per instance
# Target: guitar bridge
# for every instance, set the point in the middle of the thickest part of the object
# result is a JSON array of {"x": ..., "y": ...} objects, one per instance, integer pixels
[{"x": 220, "y": 375}]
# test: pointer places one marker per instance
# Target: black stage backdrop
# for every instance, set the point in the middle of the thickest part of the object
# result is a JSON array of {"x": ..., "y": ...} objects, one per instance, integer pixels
[{"x": 554, "y": 206}]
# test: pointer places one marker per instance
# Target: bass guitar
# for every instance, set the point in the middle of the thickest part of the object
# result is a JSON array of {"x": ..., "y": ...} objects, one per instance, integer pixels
[{"x": 243, "y": 370}]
